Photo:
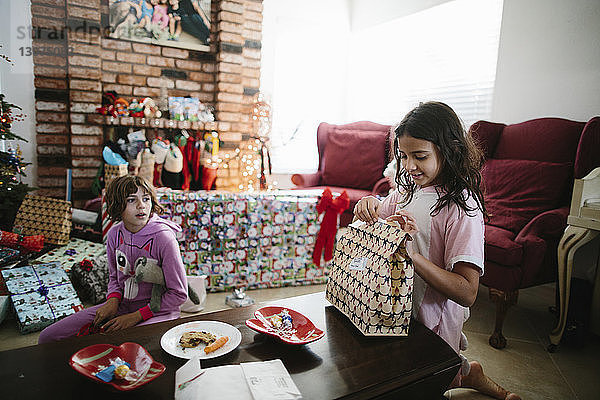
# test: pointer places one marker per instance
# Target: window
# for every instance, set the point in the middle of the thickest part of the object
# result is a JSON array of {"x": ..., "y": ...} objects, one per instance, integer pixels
[{"x": 316, "y": 70}]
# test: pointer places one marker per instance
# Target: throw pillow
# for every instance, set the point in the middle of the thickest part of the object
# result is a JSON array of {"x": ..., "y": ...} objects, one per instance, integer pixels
[
  {"x": 354, "y": 159},
  {"x": 518, "y": 190}
]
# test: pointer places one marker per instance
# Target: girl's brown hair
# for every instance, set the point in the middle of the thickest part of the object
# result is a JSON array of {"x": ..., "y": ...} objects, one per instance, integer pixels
[
  {"x": 461, "y": 158},
  {"x": 124, "y": 186}
]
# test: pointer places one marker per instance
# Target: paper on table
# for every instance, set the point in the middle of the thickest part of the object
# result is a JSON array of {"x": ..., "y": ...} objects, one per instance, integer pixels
[
  {"x": 270, "y": 380},
  {"x": 223, "y": 383}
]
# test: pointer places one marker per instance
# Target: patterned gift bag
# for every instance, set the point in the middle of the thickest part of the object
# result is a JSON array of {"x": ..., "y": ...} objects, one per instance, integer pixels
[
  {"x": 46, "y": 216},
  {"x": 371, "y": 279}
]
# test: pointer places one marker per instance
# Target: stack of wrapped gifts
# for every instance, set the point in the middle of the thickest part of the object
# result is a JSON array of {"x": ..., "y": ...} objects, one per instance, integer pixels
[
  {"x": 41, "y": 294},
  {"x": 256, "y": 240}
]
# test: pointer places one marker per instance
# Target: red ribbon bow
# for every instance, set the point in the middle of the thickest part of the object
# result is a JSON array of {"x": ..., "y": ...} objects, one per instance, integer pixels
[
  {"x": 15, "y": 241},
  {"x": 332, "y": 207},
  {"x": 86, "y": 265}
]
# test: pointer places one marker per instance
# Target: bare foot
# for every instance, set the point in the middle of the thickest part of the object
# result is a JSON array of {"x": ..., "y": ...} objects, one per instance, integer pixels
[{"x": 479, "y": 381}]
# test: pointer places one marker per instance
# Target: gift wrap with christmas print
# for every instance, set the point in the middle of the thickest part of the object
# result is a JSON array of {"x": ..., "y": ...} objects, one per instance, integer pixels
[
  {"x": 74, "y": 251},
  {"x": 90, "y": 279},
  {"x": 256, "y": 240},
  {"x": 8, "y": 255},
  {"x": 46, "y": 216},
  {"x": 112, "y": 172},
  {"x": 371, "y": 279},
  {"x": 41, "y": 294}
]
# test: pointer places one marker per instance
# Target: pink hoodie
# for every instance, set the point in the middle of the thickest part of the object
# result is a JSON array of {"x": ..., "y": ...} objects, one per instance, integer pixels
[{"x": 155, "y": 241}]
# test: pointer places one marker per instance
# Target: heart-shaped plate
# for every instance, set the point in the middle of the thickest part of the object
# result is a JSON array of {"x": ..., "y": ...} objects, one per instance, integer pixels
[
  {"x": 92, "y": 359},
  {"x": 303, "y": 330}
]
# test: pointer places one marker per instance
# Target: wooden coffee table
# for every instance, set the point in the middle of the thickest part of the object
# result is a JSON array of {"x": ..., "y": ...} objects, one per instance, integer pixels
[{"x": 343, "y": 364}]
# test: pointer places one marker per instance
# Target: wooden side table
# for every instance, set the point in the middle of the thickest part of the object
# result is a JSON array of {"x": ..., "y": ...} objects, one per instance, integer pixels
[{"x": 583, "y": 226}]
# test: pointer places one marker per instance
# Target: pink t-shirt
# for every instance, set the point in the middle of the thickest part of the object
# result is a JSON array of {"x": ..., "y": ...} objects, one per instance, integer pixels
[{"x": 444, "y": 239}]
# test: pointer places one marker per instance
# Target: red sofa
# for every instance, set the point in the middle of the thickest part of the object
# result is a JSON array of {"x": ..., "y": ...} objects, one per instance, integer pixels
[
  {"x": 528, "y": 178},
  {"x": 352, "y": 157}
]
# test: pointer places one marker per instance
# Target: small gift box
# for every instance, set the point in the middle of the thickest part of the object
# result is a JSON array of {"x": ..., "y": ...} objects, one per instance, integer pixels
[
  {"x": 73, "y": 252},
  {"x": 114, "y": 171},
  {"x": 90, "y": 279},
  {"x": 8, "y": 255},
  {"x": 41, "y": 295}
]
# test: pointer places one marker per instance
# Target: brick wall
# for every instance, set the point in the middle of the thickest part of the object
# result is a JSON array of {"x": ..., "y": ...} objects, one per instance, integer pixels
[{"x": 74, "y": 62}]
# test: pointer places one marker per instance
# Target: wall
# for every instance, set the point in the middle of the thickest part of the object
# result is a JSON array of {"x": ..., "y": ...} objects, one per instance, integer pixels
[
  {"x": 549, "y": 60},
  {"x": 16, "y": 81},
  {"x": 73, "y": 69}
]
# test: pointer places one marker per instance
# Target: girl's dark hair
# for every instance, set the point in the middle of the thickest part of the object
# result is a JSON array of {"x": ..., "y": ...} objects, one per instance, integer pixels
[
  {"x": 121, "y": 188},
  {"x": 460, "y": 157}
]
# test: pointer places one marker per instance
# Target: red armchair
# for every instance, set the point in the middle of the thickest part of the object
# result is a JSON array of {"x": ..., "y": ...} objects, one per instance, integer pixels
[
  {"x": 352, "y": 157},
  {"x": 528, "y": 177}
]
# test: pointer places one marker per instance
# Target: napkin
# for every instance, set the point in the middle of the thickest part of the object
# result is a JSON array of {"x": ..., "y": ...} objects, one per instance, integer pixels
[
  {"x": 264, "y": 380},
  {"x": 270, "y": 380}
]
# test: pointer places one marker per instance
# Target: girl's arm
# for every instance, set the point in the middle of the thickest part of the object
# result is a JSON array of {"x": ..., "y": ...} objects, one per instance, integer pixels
[
  {"x": 459, "y": 285},
  {"x": 114, "y": 295},
  {"x": 114, "y": 288}
]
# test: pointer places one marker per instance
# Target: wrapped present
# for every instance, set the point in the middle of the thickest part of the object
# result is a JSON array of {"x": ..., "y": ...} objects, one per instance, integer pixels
[
  {"x": 3, "y": 289},
  {"x": 90, "y": 279},
  {"x": 28, "y": 243},
  {"x": 114, "y": 171},
  {"x": 4, "y": 305},
  {"x": 41, "y": 295},
  {"x": 255, "y": 240},
  {"x": 46, "y": 216},
  {"x": 8, "y": 255},
  {"x": 76, "y": 250}
]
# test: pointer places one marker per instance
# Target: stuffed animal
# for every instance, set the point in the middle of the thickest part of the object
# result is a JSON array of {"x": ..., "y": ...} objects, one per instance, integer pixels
[
  {"x": 136, "y": 109},
  {"x": 148, "y": 270},
  {"x": 108, "y": 103},
  {"x": 122, "y": 107},
  {"x": 150, "y": 108}
]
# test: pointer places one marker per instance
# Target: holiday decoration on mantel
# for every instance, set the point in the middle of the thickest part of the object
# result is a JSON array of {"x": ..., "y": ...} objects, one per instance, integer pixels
[{"x": 12, "y": 166}]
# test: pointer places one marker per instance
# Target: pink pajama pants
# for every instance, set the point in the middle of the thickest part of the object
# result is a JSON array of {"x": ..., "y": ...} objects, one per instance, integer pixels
[{"x": 70, "y": 326}]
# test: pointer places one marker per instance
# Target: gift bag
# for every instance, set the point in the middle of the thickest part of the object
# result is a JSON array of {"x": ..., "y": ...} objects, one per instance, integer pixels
[
  {"x": 114, "y": 171},
  {"x": 90, "y": 279},
  {"x": 46, "y": 216},
  {"x": 371, "y": 278}
]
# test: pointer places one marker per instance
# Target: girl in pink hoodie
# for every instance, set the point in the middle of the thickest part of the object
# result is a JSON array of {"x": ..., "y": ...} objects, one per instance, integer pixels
[{"x": 139, "y": 239}]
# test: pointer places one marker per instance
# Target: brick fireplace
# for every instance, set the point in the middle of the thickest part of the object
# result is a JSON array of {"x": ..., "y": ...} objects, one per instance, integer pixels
[{"x": 75, "y": 62}]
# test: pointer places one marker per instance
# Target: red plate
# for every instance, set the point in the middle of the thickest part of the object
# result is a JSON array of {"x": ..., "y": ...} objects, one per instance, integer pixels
[
  {"x": 305, "y": 330},
  {"x": 92, "y": 359}
]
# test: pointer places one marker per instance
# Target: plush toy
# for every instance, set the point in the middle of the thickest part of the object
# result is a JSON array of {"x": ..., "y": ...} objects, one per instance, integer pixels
[
  {"x": 148, "y": 270},
  {"x": 122, "y": 107},
  {"x": 136, "y": 109},
  {"x": 108, "y": 103},
  {"x": 150, "y": 108}
]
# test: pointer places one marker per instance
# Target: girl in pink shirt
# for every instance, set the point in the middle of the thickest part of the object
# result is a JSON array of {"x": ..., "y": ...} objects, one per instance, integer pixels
[{"x": 440, "y": 203}]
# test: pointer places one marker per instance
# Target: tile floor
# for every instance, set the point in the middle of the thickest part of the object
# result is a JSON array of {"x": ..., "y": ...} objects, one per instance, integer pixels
[{"x": 524, "y": 366}]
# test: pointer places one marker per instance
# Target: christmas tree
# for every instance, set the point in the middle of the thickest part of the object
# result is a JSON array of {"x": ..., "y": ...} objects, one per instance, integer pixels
[{"x": 12, "y": 166}]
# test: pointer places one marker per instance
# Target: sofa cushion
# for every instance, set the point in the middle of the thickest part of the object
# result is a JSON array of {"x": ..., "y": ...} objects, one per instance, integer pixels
[
  {"x": 518, "y": 190},
  {"x": 501, "y": 248},
  {"x": 354, "y": 159}
]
